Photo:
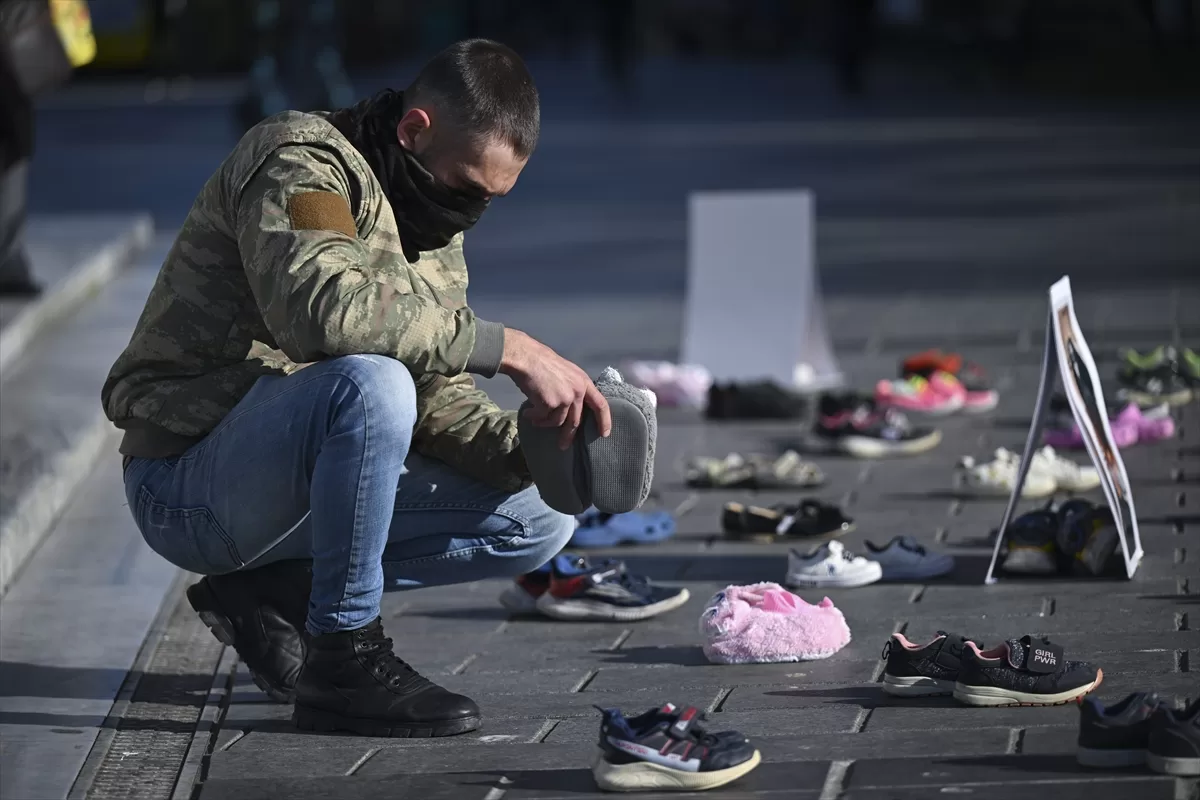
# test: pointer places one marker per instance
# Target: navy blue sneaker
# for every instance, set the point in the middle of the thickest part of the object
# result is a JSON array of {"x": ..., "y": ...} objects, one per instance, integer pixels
[
  {"x": 1116, "y": 735},
  {"x": 667, "y": 749},
  {"x": 580, "y": 590},
  {"x": 521, "y": 596}
]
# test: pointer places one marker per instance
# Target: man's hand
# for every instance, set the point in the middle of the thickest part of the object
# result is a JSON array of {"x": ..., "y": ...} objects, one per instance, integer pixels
[{"x": 557, "y": 389}]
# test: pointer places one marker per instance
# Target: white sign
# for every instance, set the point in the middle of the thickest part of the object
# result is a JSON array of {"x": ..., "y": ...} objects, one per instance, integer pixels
[
  {"x": 754, "y": 309},
  {"x": 1086, "y": 399}
]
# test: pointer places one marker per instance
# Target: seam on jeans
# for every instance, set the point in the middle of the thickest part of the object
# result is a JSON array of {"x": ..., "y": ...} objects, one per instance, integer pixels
[
  {"x": 216, "y": 432},
  {"x": 339, "y": 614},
  {"x": 153, "y": 506},
  {"x": 499, "y": 511}
]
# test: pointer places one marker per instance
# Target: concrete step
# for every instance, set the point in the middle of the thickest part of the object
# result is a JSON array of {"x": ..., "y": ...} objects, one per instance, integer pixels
[
  {"x": 73, "y": 256},
  {"x": 52, "y": 428}
]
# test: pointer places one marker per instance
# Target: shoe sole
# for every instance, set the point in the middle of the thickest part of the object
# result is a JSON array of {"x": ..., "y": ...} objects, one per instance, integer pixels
[
  {"x": 865, "y": 447},
  {"x": 801, "y": 581},
  {"x": 995, "y": 696},
  {"x": 643, "y": 776},
  {"x": 205, "y": 604},
  {"x": 571, "y": 609},
  {"x": 1109, "y": 759},
  {"x": 916, "y": 686},
  {"x": 901, "y": 574},
  {"x": 1166, "y": 765},
  {"x": 518, "y": 601},
  {"x": 982, "y": 407},
  {"x": 311, "y": 719}
]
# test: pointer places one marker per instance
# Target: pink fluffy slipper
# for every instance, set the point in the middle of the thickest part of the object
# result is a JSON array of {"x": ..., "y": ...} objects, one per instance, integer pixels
[{"x": 765, "y": 623}]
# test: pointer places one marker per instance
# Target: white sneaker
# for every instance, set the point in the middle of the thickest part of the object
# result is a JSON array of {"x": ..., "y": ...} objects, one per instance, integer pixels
[
  {"x": 831, "y": 565},
  {"x": 1067, "y": 475},
  {"x": 999, "y": 476},
  {"x": 902, "y": 559}
]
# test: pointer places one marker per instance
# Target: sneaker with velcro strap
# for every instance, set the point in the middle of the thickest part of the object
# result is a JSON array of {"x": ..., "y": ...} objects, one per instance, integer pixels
[
  {"x": 1022, "y": 672},
  {"x": 581, "y": 590},
  {"x": 666, "y": 749},
  {"x": 922, "y": 670}
]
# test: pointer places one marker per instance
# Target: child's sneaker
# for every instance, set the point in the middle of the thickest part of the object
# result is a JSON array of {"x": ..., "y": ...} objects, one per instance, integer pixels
[
  {"x": 903, "y": 559},
  {"x": 1022, "y": 672},
  {"x": 1066, "y": 475},
  {"x": 1174, "y": 745},
  {"x": 830, "y": 566},
  {"x": 1117, "y": 735},
  {"x": 667, "y": 750},
  {"x": 520, "y": 596},
  {"x": 922, "y": 670},
  {"x": 580, "y": 590},
  {"x": 998, "y": 477},
  {"x": 916, "y": 395},
  {"x": 1032, "y": 542},
  {"x": 860, "y": 430}
]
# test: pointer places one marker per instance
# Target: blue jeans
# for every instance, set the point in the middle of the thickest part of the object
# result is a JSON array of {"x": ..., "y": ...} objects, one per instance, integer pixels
[{"x": 317, "y": 465}]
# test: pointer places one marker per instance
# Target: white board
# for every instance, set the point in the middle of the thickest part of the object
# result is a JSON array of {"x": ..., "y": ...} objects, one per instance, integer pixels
[{"x": 754, "y": 309}]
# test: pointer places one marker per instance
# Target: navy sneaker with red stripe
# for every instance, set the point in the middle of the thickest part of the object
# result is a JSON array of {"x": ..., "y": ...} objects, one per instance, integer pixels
[
  {"x": 521, "y": 596},
  {"x": 667, "y": 749},
  {"x": 580, "y": 590}
]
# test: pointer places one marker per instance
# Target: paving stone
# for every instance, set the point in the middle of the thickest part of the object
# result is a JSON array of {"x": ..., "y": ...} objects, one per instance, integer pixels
[
  {"x": 1050, "y": 740},
  {"x": 914, "y": 715},
  {"x": 499, "y": 758},
  {"x": 268, "y": 761},
  {"x": 766, "y": 722},
  {"x": 801, "y": 780},
  {"x": 450, "y": 786},
  {"x": 968, "y": 771},
  {"x": 1157, "y": 788},
  {"x": 826, "y": 671}
]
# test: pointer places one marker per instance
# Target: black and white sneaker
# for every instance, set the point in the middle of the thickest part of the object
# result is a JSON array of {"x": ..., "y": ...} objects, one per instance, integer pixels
[
  {"x": 1022, "y": 672},
  {"x": 1117, "y": 735},
  {"x": 846, "y": 424},
  {"x": 580, "y": 590},
  {"x": 666, "y": 749},
  {"x": 922, "y": 670},
  {"x": 1174, "y": 746}
]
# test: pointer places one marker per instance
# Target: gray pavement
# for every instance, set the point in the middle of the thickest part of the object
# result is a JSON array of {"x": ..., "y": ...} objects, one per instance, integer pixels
[{"x": 943, "y": 217}]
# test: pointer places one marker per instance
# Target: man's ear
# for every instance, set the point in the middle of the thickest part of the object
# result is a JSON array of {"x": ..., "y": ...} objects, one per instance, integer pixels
[{"x": 414, "y": 122}]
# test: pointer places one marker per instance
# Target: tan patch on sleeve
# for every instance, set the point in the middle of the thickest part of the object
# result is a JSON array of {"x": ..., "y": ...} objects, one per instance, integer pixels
[{"x": 321, "y": 211}]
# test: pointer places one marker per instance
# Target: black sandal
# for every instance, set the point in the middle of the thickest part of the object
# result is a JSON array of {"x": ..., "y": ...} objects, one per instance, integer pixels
[{"x": 810, "y": 520}]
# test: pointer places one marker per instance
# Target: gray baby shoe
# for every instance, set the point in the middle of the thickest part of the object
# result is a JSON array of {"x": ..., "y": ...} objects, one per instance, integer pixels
[{"x": 614, "y": 473}]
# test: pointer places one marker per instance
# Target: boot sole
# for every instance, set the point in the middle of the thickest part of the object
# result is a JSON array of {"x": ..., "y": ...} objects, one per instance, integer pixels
[
  {"x": 310, "y": 719},
  {"x": 205, "y": 604}
]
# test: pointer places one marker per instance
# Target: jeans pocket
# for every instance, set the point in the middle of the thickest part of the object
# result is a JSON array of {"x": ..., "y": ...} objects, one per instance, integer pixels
[{"x": 190, "y": 538}]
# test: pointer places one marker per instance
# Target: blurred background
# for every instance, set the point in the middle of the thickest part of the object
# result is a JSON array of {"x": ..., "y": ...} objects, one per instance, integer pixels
[{"x": 952, "y": 145}]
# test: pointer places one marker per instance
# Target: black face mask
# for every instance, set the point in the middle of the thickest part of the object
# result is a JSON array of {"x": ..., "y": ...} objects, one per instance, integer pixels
[{"x": 428, "y": 212}]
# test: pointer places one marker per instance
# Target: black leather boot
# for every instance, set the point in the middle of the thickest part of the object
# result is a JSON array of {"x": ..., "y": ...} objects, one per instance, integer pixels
[
  {"x": 352, "y": 681},
  {"x": 260, "y": 613}
]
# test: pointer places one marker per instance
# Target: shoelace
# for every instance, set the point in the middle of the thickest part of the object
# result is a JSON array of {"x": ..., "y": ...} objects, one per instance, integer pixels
[{"x": 398, "y": 673}]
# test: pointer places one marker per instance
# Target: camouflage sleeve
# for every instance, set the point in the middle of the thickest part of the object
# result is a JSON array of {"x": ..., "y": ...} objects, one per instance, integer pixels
[
  {"x": 312, "y": 279},
  {"x": 457, "y": 423}
]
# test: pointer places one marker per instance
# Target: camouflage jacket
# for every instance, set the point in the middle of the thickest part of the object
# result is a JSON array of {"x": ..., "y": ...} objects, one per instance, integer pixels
[{"x": 290, "y": 255}]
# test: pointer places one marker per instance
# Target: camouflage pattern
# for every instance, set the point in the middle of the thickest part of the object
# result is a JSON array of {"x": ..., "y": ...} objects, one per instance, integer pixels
[{"x": 241, "y": 295}]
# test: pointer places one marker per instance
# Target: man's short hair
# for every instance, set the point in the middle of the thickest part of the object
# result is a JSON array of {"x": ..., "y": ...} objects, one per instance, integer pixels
[{"x": 485, "y": 92}]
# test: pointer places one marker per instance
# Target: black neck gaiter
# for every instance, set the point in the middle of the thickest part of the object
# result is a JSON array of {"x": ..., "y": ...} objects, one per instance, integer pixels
[{"x": 428, "y": 212}]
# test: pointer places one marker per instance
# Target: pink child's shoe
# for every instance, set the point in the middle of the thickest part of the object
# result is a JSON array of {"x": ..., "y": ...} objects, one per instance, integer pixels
[
  {"x": 764, "y": 623},
  {"x": 915, "y": 394},
  {"x": 1128, "y": 427}
]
